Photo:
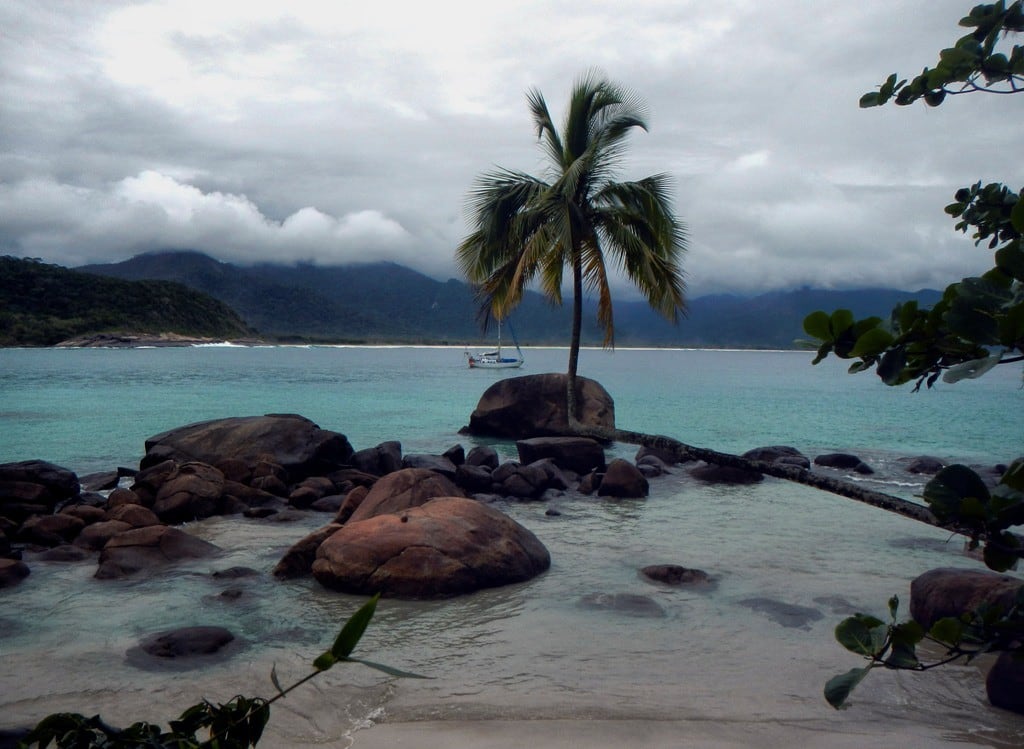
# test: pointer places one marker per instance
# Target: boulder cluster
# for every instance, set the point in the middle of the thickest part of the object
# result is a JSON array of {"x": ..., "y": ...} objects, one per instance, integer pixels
[{"x": 404, "y": 525}]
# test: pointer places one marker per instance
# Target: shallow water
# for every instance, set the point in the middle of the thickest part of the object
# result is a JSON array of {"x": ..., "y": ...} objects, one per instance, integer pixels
[{"x": 526, "y": 651}]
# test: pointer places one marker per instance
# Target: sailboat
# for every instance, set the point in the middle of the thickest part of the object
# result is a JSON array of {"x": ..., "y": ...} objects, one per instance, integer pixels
[{"x": 495, "y": 359}]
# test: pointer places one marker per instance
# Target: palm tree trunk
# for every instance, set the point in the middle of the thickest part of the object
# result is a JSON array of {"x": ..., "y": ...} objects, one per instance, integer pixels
[
  {"x": 574, "y": 344},
  {"x": 803, "y": 476}
]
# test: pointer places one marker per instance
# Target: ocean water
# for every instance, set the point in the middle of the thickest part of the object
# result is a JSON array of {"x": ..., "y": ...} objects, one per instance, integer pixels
[{"x": 532, "y": 650}]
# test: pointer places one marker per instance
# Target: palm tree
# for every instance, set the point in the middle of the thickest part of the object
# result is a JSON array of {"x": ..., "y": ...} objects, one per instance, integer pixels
[{"x": 528, "y": 229}]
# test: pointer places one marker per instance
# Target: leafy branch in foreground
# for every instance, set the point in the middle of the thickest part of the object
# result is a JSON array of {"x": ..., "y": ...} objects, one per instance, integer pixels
[
  {"x": 236, "y": 724},
  {"x": 894, "y": 644},
  {"x": 974, "y": 62},
  {"x": 958, "y": 497}
]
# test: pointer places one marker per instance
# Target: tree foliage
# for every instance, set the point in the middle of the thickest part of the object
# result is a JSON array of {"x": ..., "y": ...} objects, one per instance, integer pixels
[
  {"x": 529, "y": 229},
  {"x": 236, "y": 724},
  {"x": 42, "y": 304},
  {"x": 977, "y": 325}
]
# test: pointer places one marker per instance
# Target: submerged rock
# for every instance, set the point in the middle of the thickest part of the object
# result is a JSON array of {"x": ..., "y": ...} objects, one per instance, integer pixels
[
  {"x": 786, "y": 614},
  {"x": 674, "y": 574},
  {"x": 147, "y": 549},
  {"x": 630, "y": 604}
]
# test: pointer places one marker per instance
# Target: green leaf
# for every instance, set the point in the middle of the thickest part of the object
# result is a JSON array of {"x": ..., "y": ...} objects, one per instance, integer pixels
[
  {"x": 353, "y": 630},
  {"x": 949, "y": 491},
  {"x": 1000, "y": 554},
  {"x": 872, "y": 343},
  {"x": 948, "y": 630},
  {"x": 871, "y": 99},
  {"x": 838, "y": 688},
  {"x": 902, "y": 656},
  {"x": 1017, "y": 214},
  {"x": 890, "y": 368},
  {"x": 840, "y": 320},
  {"x": 816, "y": 325},
  {"x": 1014, "y": 476},
  {"x": 861, "y": 634}
]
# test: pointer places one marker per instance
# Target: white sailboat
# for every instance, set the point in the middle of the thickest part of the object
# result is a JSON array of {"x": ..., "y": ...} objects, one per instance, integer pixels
[{"x": 495, "y": 359}]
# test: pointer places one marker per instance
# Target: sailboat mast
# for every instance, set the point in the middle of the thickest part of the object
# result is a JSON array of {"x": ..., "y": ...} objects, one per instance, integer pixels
[{"x": 499, "y": 340}]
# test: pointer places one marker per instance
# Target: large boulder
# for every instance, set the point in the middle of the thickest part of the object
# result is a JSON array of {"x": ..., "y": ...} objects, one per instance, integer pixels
[
  {"x": 293, "y": 442},
  {"x": 947, "y": 591},
  {"x": 400, "y": 490},
  {"x": 534, "y": 406},
  {"x": 147, "y": 549},
  {"x": 447, "y": 547},
  {"x": 712, "y": 473}
]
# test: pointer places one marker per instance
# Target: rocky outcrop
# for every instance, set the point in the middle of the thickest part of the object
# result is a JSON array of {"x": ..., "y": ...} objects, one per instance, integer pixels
[
  {"x": 297, "y": 444},
  {"x": 925, "y": 464},
  {"x": 948, "y": 591},
  {"x": 534, "y": 406},
  {"x": 380, "y": 460},
  {"x": 446, "y": 547},
  {"x": 401, "y": 490},
  {"x": 34, "y": 487}
]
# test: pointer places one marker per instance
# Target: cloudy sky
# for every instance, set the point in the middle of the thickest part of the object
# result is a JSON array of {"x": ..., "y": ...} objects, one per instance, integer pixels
[{"x": 335, "y": 132}]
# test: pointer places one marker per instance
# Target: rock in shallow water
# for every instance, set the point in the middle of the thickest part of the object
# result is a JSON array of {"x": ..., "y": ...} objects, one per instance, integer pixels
[
  {"x": 446, "y": 547},
  {"x": 630, "y": 604},
  {"x": 786, "y": 614}
]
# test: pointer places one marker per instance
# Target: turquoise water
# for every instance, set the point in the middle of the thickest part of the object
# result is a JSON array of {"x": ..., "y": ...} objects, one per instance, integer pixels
[
  {"x": 527, "y": 651},
  {"x": 91, "y": 409}
]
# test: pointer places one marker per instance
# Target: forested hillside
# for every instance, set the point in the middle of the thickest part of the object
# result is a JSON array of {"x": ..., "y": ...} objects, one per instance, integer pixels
[
  {"x": 42, "y": 305},
  {"x": 389, "y": 302}
]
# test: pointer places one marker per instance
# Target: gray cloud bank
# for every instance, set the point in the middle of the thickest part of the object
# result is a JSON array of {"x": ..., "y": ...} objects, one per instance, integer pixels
[{"x": 346, "y": 132}]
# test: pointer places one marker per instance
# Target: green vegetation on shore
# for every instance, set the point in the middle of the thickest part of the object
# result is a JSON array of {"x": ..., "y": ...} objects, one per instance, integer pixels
[{"x": 42, "y": 305}]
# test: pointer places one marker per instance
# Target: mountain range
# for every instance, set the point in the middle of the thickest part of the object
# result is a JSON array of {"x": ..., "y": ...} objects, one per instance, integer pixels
[{"x": 386, "y": 302}]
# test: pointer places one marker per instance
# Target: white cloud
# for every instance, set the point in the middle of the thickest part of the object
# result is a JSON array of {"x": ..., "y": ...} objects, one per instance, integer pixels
[{"x": 338, "y": 132}]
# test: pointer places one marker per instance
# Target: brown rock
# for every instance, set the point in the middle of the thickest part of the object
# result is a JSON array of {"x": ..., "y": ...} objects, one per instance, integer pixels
[
  {"x": 947, "y": 591},
  {"x": 187, "y": 642},
  {"x": 534, "y": 406},
  {"x": 94, "y": 537},
  {"x": 1005, "y": 682},
  {"x": 12, "y": 572},
  {"x": 192, "y": 493},
  {"x": 123, "y": 496},
  {"x": 298, "y": 560},
  {"x": 623, "y": 479},
  {"x": 293, "y": 442},
  {"x": 577, "y": 454},
  {"x": 352, "y": 500},
  {"x": 88, "y": 514},
  {"x": 50, "y": 530},
  {"x": 446, "y": 547},
  {"x": 403, "y": 489},
  {"x": 674, "y": 574},
  {"x": 148, "y": 549},
  {"x": 136, "y": 516}
]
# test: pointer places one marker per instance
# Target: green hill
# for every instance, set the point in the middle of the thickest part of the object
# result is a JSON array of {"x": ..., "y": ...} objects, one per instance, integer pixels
[{"x": 42, "y": 305}]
